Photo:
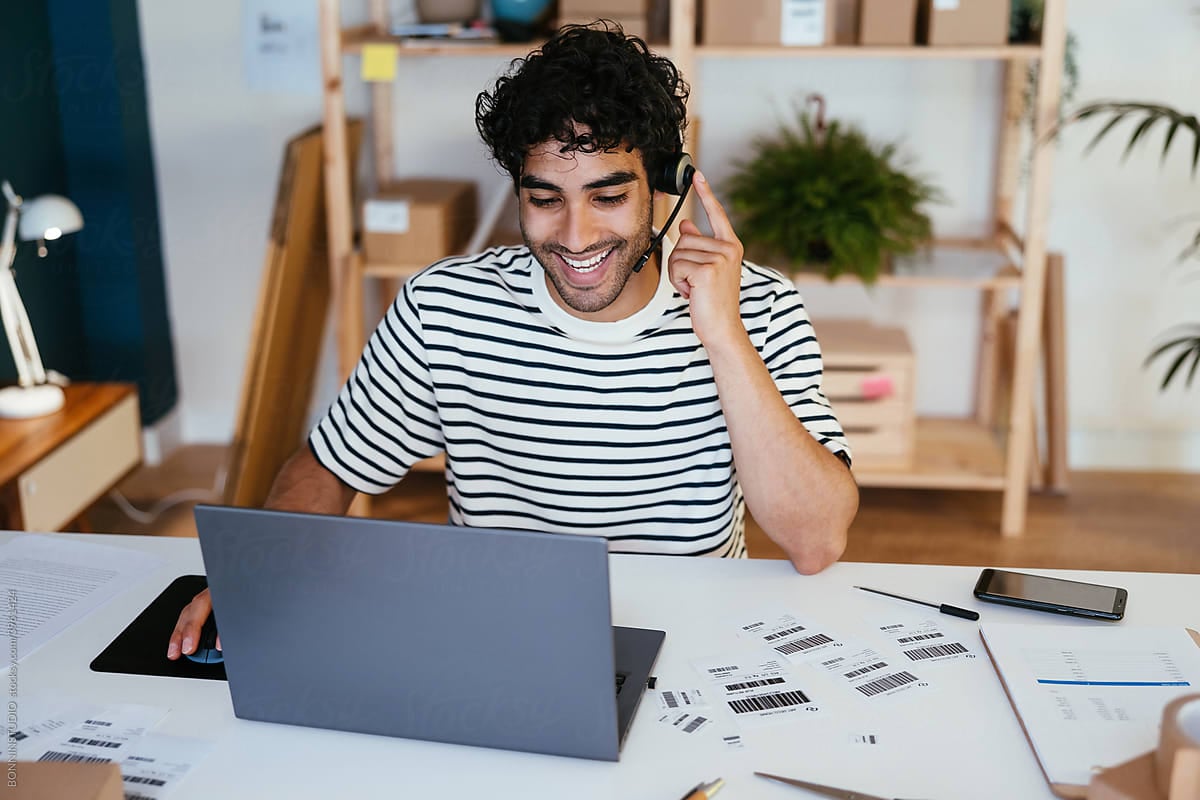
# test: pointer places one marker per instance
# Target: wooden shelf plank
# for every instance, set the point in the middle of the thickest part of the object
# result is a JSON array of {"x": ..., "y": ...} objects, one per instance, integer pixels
[
  {"x": 1010, "y": 52},
  {"x": 377, "y": 269},
  {"x": 968, "y": 264},
  {"x": 353, "y": 40},
  {"x": 950, "y": 454},
  {"x": 959, "y": 264}
]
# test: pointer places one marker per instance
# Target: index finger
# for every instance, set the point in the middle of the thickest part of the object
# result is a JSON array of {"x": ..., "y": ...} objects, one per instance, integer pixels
[{"x": 722, "y": 228}]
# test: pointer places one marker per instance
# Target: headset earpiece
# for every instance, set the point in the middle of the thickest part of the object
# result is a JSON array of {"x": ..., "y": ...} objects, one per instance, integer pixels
[
  {"x": 676, "y": 175},
  {"x": 674, "y": 178}
]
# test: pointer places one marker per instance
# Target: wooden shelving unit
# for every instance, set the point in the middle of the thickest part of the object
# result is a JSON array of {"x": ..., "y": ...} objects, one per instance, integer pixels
[{"x": 995, "y": 449}]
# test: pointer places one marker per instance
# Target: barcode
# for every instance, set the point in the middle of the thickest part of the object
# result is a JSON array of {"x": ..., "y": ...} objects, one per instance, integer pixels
[
  {"x": 765, "y": 702},
  {"x": 73, "y": 758},
  {"x": 887, "y": 682},
  {"x": 770, "y": 637},
  {"x": 832, "y": 661},
  {"x": 718, "y": 670},
  {"x": 803, "y": 644},
  {"x": 753, "y": 625},
  {"x": 19, "y": 735},
  {"x": 919, "y": 637},
  {"x": 94, "y": 742},
  {"x": 695, "y": 723},
  {"x": 129, "y": 796},
  {"x": 935, "y": 650},
  {"x": 890, "y": 627},
  {"x": 733, "y": 742},
  {"x": 733, "y": 687},
  {"x": 147, "y": 781},
  {"x": 99, "y": 722},
  {"x": 866, "y": 669},
  {"x": 669, "y": 699},
  {"x": 140, "y": 758}
]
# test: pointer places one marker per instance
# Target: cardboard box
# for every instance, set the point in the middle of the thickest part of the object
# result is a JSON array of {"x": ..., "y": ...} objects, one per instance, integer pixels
[
  {"x": 42, "y": 780},
  {"x": 963, "y": 22},
  {"x": 887, "y": 22},
  {"x": 632, "y": 26},
  {"x": 608, "y": 9},
  {"x": 868, "y": 380},
  {"x": 419, "y": 220},
  {"x": 797, "y": 23}
]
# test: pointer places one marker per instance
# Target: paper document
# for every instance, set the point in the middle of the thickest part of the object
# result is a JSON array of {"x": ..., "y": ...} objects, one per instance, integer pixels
[
  {"x": 48, "y": 583},
  {"x": 1091, "y": 697},
  {"x": 72, "y": 731},
  {"x": 926, "y": 641},
  {"x": 756, "y": 690}
]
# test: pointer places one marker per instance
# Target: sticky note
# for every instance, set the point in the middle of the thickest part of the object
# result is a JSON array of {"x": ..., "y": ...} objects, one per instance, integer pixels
[{"x": 379, "y": 62}]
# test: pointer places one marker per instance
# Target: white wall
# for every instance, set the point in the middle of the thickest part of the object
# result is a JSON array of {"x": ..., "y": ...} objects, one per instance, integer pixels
[{"x": 218, "y": 146}]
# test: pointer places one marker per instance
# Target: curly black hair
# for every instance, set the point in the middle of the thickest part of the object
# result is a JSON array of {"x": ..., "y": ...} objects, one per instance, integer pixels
[{"x": 593, "y": 75}]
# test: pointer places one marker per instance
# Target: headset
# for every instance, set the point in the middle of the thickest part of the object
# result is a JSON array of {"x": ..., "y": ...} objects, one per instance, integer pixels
[{"x": 674, "y": 177}]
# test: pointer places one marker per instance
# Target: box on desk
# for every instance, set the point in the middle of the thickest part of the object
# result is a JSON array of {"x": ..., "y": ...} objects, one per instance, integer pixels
[
  {"x": 770, "y": 22},
  {"x": 963, "y": 22},
  {"x": 419, "y": 220},
  {"x": 42, "y": 780},
  {"x": 869, "y": 381}
]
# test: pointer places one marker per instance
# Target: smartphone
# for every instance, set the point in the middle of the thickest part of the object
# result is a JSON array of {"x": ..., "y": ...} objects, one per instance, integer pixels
[{"x": 1051, "y": 594}]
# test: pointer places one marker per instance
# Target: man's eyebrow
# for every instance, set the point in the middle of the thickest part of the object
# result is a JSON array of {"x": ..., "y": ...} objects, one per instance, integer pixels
[
  {"x": 532, "y": 182},
  {"x": 612, "y": 179}
]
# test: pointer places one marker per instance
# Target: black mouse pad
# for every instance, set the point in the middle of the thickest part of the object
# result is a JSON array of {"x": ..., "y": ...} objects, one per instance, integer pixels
[{"x": 141, "y": 649}]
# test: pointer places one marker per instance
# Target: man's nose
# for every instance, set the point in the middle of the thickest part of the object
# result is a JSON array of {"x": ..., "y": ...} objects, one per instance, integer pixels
[{"x": 579, "y": 234}]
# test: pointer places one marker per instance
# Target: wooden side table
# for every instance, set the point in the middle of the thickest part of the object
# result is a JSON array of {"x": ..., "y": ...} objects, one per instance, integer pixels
[{"x": 53, "y": 468}]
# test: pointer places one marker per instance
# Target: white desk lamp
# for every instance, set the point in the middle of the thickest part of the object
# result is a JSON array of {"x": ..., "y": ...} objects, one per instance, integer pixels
[{"x": 42, "y": 219}]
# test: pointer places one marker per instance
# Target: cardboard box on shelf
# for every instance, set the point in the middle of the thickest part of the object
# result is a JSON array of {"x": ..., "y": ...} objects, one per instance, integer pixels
[
  {"x": 799, "y": 23},
  {"x": 632, "y": 26},
  {"x": 419, "y": 220},
  {"x": 603, "y": 8},
  {"x": 887, "y": 22},
  {"x": 963, "y": 22},
  {"x": 868, "y": 380}
]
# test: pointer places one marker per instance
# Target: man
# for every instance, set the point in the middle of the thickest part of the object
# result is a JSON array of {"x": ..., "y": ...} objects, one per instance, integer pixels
[{"x": 570, "y": 392}]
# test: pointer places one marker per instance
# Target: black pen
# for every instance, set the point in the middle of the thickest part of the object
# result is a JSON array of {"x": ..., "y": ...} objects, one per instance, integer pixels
[{"x": 953, "y": 611}]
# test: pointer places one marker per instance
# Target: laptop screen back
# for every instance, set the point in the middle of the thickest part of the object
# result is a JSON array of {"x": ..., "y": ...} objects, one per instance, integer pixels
[{"x": 467, "y": 635}]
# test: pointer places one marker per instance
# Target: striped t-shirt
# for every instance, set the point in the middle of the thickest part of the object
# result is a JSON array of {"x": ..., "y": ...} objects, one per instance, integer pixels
[{"x": 554, "y": 423}]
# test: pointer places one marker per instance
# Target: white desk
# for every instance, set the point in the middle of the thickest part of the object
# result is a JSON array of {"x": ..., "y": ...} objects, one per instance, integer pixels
[{"x": 961, "y": 742}]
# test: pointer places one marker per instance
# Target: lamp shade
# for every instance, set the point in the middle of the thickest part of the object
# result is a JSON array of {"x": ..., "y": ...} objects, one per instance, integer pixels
[{"x": 49, "y": 217}]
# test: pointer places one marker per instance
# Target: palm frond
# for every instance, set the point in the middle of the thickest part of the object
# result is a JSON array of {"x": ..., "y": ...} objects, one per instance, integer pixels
[
  {"x": 1188, "y": 346},
  {"x": 1152, "y": 113}
]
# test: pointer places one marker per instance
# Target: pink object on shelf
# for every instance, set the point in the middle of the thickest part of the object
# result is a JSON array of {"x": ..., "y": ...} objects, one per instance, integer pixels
[{"x": 877, "y": 386}]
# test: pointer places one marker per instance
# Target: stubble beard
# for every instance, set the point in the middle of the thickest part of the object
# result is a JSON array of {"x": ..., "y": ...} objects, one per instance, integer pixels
[{"x": 588, "y": 300}]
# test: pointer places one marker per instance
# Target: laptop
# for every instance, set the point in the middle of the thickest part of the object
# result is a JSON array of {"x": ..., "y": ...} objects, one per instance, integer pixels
[{"x": 486, "y": 637}]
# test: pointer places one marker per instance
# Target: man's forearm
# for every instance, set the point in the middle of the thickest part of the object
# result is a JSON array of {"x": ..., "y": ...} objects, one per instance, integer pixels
[
  {"x": 304, "y": 485},
  {"x": 801, "y": 494}
]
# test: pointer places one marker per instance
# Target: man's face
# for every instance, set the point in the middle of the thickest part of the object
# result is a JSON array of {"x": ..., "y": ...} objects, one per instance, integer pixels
[{"x": 586, "y": 218}]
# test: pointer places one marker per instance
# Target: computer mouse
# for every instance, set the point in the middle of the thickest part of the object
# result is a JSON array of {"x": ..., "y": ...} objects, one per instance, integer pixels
[{"x": 206, "y": 651}]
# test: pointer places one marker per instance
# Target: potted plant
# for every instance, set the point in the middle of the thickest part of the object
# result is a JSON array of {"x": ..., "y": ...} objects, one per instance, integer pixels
[
  {"x": 818, "y": 196},
  {"x": 1184, "y": 340}
]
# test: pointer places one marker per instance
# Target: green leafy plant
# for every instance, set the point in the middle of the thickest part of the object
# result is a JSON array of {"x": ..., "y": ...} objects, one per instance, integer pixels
[
  {"x": 1183, "y": 341},
  {"x": 1025, "y": 25},
  {"x": 823, "y": 197}
]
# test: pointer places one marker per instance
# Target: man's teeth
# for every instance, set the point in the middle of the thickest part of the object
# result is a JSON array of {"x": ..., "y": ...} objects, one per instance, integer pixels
[{"x": 589, "y": 265}]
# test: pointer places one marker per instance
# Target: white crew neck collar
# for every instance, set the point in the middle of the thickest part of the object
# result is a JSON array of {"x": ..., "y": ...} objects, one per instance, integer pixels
[{"x": 622, "y": 330}]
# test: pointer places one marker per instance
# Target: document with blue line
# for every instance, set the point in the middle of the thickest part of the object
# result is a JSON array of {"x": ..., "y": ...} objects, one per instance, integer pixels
[{"x": 1092, "y": 696}]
